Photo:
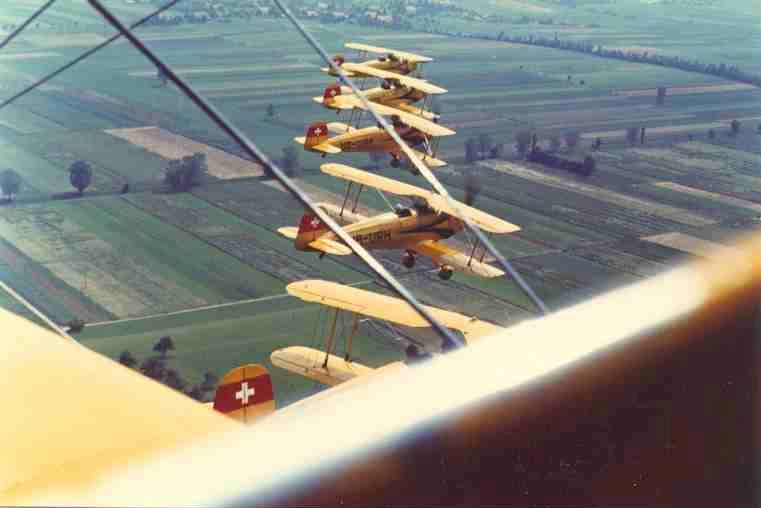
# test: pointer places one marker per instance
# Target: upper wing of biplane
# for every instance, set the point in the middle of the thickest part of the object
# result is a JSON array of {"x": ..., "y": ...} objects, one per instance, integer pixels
[
  {"x": 422, "y": 124},
  {"x": 401, "y": 55},
  {"x": 419, "y": 84},
  {"x": 387, "y": 308},
  {"x": 483, "y": 220}
]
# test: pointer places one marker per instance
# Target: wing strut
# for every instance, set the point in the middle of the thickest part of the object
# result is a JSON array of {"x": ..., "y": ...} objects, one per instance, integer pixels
[{"x": 329, "y": 343}]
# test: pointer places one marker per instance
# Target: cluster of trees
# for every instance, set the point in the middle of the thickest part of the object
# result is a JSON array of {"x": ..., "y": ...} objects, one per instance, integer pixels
[
  {"x": 182, "y": 174},
  {"x": 80, "y": 177},
  {"x": 584, "y": 168},
  {"x": 157, "y": 367},
  {"x": 723, "y": 70},
  {"x": 483, "y": 147}
]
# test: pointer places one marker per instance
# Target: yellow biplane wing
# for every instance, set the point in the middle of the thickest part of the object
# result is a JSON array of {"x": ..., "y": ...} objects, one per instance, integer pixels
[
  {"x": 418, "y": 84},
  {"x": 57, "y": 390},
  {"x": 316, "y": 365},
  {"x": 401, "y": 55},
  {"x": 443, "y": 254},
  {"x": 483, "y": 220},
  {"x": 422, "y": 124},
  {"x": 387, "y": 308}
]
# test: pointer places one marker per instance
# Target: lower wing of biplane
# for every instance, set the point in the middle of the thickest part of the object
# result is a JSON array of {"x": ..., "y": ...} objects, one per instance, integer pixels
[{"x": 330, "y": 369}]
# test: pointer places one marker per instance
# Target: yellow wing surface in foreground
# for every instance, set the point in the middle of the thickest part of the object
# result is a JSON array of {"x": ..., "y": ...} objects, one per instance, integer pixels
[
  {"x": 376, "y": 305},
  {"x": 483, "y": 220},
  {"x": 402, "y": 55},
  {"x": 71, "y": 416}
]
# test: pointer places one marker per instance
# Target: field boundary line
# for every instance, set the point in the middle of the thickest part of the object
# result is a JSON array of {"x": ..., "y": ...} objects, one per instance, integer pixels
[{"x": 211, "y": 307}]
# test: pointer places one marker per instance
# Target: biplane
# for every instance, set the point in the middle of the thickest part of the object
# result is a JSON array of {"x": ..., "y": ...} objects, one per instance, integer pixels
[
  {"x": 375, "y": 139},
  {"x": 399, "y": 62},
  {"x": 387, "y": 101},
  {"x": 418, "y": 229},
  {"x": 330, "y": 369}
]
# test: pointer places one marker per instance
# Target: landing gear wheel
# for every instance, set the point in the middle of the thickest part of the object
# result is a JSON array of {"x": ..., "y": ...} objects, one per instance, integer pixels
[
  {"x": 445, "y": 273},
  {"x": 408, "y": 259}
]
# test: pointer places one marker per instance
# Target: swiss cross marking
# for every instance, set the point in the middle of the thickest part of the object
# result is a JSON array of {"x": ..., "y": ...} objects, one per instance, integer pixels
[{"x": 244, "y": 393}]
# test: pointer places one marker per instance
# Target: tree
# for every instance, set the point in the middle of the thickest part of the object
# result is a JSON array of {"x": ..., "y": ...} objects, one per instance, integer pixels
[
  {"x": 572, "y": 139},
  {"x": 711, "y": 134},
  {"x": 127, "y": 359},
  {"x": 554, "y": 143},
  {"x": 271, "y": 113},
  {"x": 631, "y": 135},
  {"x": 163, "y": 78},
  {"x": 163, "y": 345},
  {"x": 154, "y": 368},
  {"x": 735, "y": 127},
  {"x": 80, "y": 175},
  {"x": 758, "y": 128},
  {"x": 522, "y": 142},
  {"x": 209, "y": 382},
  {"x": 173, "y": 379},
  {"x": 196, "y": 393},
  {"x": 642, "y": 136},
  {"x": 10, "y": 183},
  {"x": 598, "y": 143},
  {"x": 182, "y": 174},
  {"x": 485, "y": 144},
  {"x": 660, "y": 98},
  {"x": 471, "y": 150},
  {"x": 290, "y": 160},
  {"x": 589, "y": 165},
  {"x": 497, "y": 151}
]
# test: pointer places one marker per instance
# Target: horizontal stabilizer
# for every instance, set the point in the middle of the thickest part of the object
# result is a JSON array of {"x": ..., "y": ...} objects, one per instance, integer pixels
[
  {"x": 310, "y": 363},
  {"x": 289, "y": 232},
  {"x": 322, "y": 147},
  {"x": 330, "y": 247}
]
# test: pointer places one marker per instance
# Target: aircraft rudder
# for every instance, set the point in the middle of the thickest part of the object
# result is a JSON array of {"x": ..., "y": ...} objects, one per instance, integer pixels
[{"x": 245, "y": 393}]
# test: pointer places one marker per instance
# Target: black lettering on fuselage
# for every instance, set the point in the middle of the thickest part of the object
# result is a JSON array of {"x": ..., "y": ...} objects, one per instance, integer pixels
[{"x": 375, "y": 236}]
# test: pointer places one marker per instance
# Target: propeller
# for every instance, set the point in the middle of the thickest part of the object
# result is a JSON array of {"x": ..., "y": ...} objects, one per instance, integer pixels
[{"x": 472, "y": 188}]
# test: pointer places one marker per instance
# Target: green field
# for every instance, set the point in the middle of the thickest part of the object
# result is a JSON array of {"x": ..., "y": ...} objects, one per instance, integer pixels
[
  {"x": 216, "y": 340},
  {"x": 107, "y": 256}
]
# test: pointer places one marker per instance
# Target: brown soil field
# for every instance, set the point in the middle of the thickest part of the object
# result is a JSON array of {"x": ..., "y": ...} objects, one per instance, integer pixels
[{"x": 171, "y": 146}]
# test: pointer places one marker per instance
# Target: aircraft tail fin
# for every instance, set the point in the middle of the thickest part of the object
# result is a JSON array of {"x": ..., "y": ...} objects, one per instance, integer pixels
[
  {"x": 331, "y": 92},
  {"x": 310, "y": 229},
  {"x": 245, "y": 393},
  {"x": 317, "y": 133}
]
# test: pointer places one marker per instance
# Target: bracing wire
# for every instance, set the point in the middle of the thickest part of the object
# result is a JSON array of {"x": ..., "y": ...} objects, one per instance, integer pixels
[
  {"x": 257, "y": 154},
  {"x": 26, "y": 23},
  {"x": 409, "y": 153},
  {"x": 83, "y": 56}
]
